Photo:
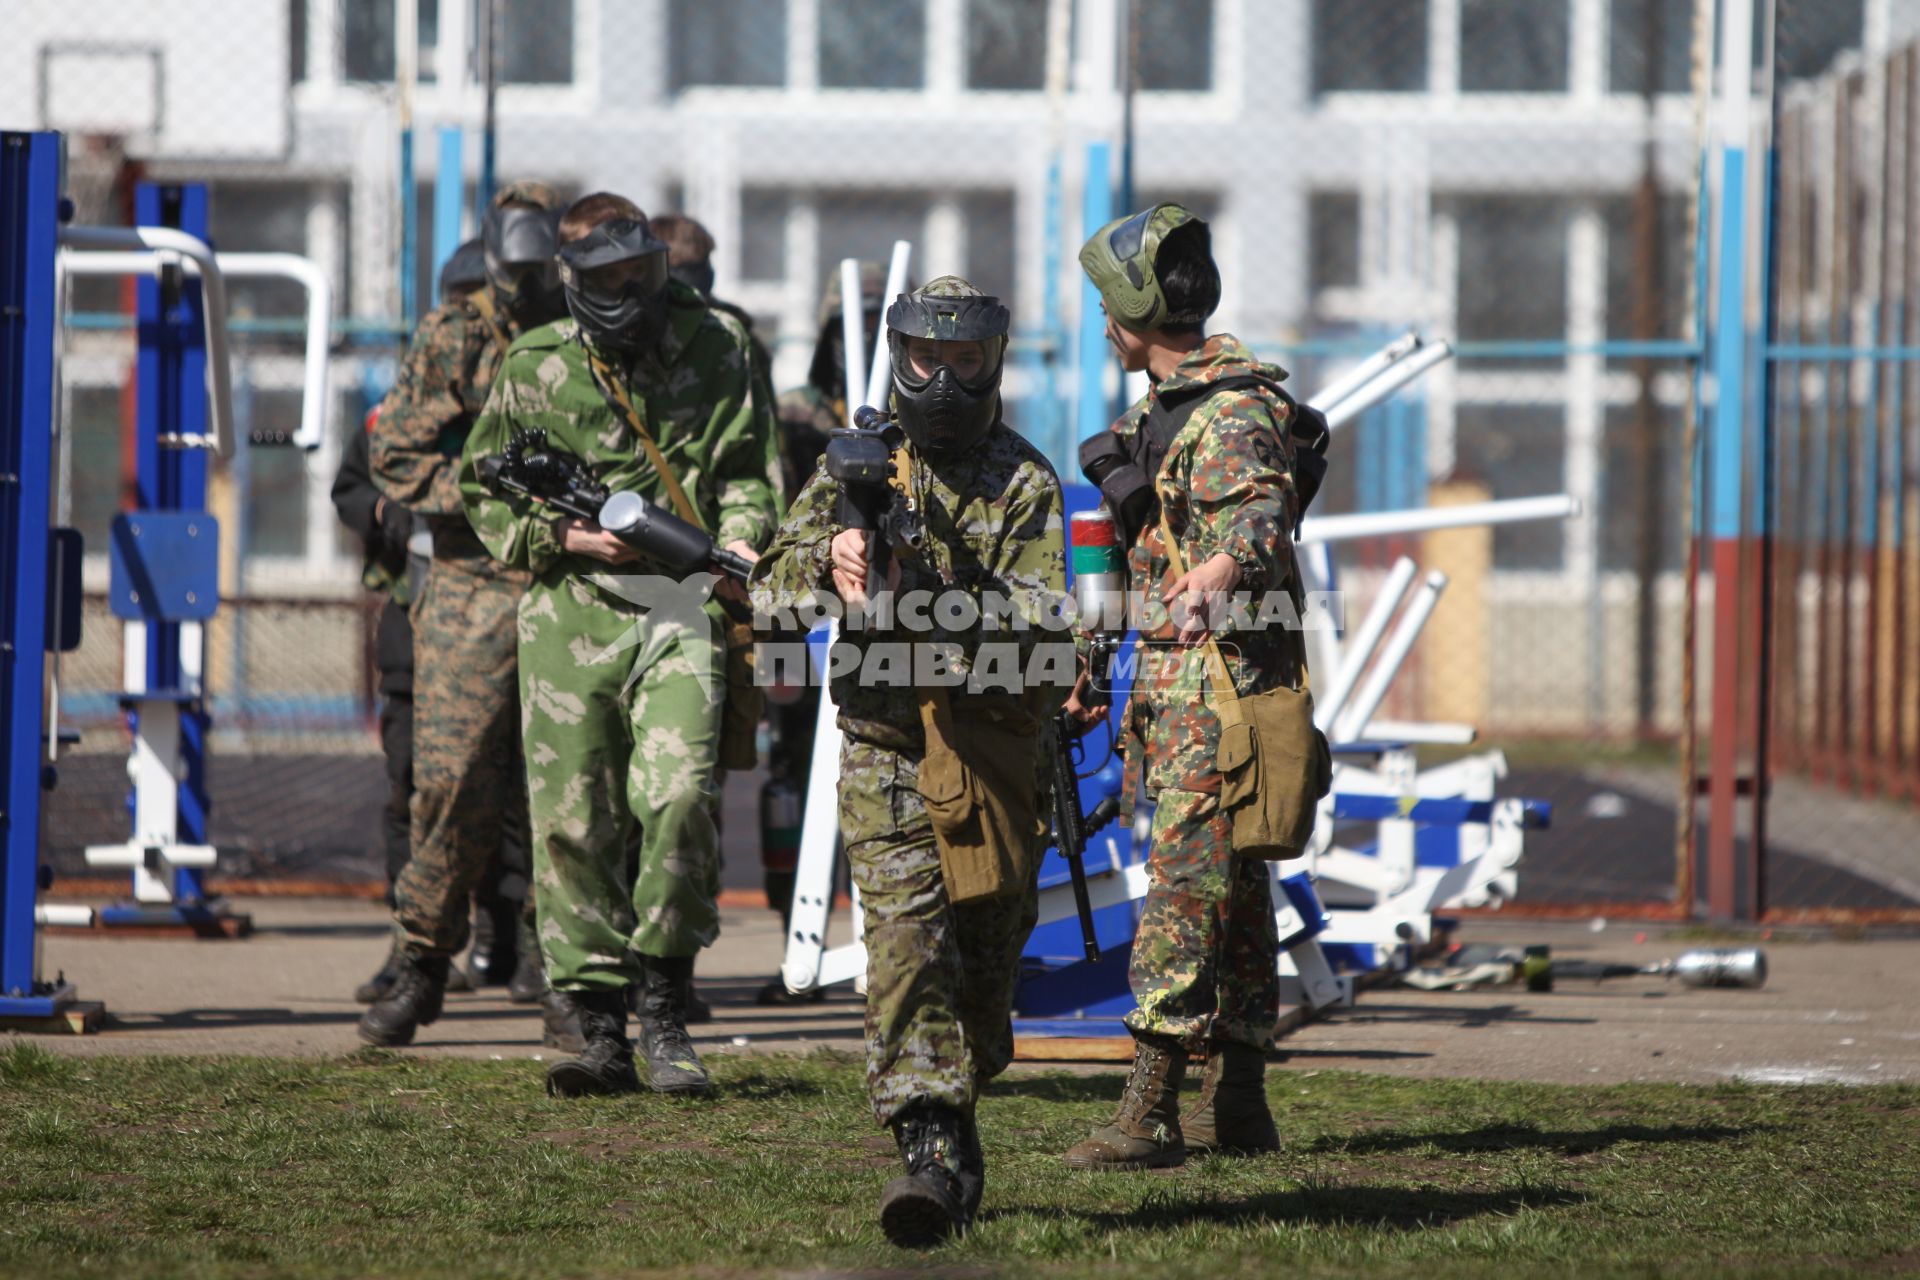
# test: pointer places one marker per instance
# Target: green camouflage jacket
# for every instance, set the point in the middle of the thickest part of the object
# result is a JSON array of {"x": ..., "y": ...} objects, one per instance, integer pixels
[
  {"x": 695, "y": 395},
  {"x": 1227, "y": 485},
  {"x": 994, "y": 525},
  {"x": 424, "y": 421}
]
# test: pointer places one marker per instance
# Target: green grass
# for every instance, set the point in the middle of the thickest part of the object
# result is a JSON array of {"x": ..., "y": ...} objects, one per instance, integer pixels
[{"x": 393, "y": 1165}]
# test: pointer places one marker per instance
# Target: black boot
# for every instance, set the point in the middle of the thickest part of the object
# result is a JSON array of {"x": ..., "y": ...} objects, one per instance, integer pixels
[
  {"x": 529, "y": 975},
  {"x": 380, "y": 983},
  {"x": 413, "y": 1001},
  {"x": 672, "y": 1065},
  {"x": 605, "y": 1065},
  {"x": 929, "y": 1203},
  {"x": 560, "y": 1023},
  {"x": 496, "y": 942}
]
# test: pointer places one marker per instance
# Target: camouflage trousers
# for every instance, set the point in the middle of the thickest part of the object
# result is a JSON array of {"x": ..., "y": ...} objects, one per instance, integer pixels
[
  {"x": 469, "y": 796},
  {"x": 1206, "y": 955},
  {"x": 940, "y": 978},
  {"x": 622, "y": 746}
]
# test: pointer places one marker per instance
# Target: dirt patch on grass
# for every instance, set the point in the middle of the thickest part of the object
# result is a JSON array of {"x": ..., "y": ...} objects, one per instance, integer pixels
[{"x": 614, "y": 1144}]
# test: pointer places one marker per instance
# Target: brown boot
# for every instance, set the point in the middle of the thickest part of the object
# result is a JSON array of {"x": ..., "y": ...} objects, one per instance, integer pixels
[
  {"x": 1145, "y": 1132},
  {"x": 1230, "y": 1116}
]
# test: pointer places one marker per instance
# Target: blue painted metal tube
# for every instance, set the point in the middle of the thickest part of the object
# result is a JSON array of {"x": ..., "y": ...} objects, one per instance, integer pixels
[
  {"x": 448, "y": 184},
  {"x": 1059, "y": 425},
  {"x": 1726, "y": 454},
  {"x": 29, "y": 230},
  {"x": 409, "y": 234},
  {"x": 1094, "y": 412}
]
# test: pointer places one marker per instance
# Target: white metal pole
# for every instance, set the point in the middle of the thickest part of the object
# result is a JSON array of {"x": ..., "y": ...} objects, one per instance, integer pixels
[
  {"x": 1328, "y": 398},
  {"x": 852, "y": 333},
  {"x": 1392, "y": 658},
  {"x": 1378, "y": 524},
  {"x": 1359, "y": 651},
  {"x": 1388, "y": 381},
  {"x": 881, "y": 374}
]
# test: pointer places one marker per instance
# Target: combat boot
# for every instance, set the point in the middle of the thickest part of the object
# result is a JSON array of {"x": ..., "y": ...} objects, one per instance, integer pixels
[
  {"x": 605, "y": 1064},
  {"x": 496, "y": 943},
  {"x": 929, "y": 1203},
  {"x": 381, "y": 982},
  {"x": 1145, "y": 1131},
  {"x": 413, "y": 1001},
  {"x": 560, "y": 1023},
  {"x": 529, "y": 982},
  {"x": 1231, "y": 1115},
  {"x": 672, "y": 1064}
]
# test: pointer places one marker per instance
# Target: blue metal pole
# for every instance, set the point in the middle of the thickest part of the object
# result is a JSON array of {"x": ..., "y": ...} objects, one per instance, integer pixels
[
  {"x": 1059, "y": 426},
  {"x": 172, "y": 400},
  {"x": 1095, "y": 411},
  {"x": 409, "y": 234},
  {"x": 29, "y": 230},
  {"x": 448, "y": 184}
]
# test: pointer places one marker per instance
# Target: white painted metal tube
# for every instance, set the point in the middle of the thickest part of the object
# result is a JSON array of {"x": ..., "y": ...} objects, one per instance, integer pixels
[
  {"x": 1377, "y": 524},
  {"x": 1356, "y": 653},
  {"x": 61, "y": 915},
  {"x": 852, "y": 333},
  {"x": 219, "y": 368},
  {"x": 1392, "y": 658},
  {"x": 880, "y": 378},
  {"x": 1386, "y": 383},
  {"x": 304, "y": 272},
  {"x": 1329, "y": 398},
  {"x": 1447, "y": 733}
]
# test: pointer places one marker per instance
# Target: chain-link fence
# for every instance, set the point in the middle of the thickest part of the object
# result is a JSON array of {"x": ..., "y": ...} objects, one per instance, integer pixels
[{"x": 1521, "y": 177}]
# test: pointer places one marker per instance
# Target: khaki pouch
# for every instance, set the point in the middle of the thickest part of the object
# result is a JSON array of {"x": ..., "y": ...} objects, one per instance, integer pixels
[
  {"x": 979, "y": 779},
  {"x": 1274, "y": 763}
]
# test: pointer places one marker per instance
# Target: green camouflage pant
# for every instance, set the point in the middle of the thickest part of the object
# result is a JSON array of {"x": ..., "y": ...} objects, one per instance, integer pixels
[
  {"x": 940, "y": 978},
  {"x": 621, "y": 741},
  {"x": 1206, "y": 956},
  {"x": 467, "y": 783}
]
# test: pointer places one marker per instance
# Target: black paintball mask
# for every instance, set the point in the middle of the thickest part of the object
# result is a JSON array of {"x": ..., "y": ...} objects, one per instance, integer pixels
[
  {"x": 518, "y": 244},
  {"x": 697, "y": 274},
  {"x": 615, "y": 279},
  {"x": 948, "y": 399}
]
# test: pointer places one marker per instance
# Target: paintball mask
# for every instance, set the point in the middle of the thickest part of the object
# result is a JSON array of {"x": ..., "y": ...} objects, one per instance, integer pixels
[
  {"x": 1120, "y": 261},
  {"x": 615, "y": 279},
  {"x": 698, "y": 275},
  {"x": 946, "y": 342},
  {"x": 518, "y": 243}
]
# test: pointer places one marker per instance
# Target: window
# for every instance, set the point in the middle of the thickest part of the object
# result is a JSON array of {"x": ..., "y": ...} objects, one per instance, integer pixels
[
  {"x": 856, "y": 224},
  {"x": 1176, "y": 44},
  {"x": 763, "y": 234},
  {"x": 1519, "y": 451},
  {"x": 1512, "y": 270},
  {"x": 990, "y": 236},
  {"x": 1333, "y": 240},
  {"x": 727, "y": 42},
  {"x": 261, "y": 217},
  {"x": 1809, "y": 36},
  {"x": 1642, "y": 507},
  {"x": 370, "y": 41},
  {"x": 276, "y": 503},
  {"x": 1650, "y": 37},
  {"x": 296, "y": 41},
  {"x": 1670, "y": 265},
  {"x": 873, "y": 44},
  {"x": 1369, "y": 46},
  {"x": 1513, "y": 46},
  {"x": 1006, "y": 44},
  {"x": 536, "y": 41}
]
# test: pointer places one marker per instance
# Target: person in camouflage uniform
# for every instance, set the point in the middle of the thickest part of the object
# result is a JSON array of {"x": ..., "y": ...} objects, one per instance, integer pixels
[
  {"x": 940, "y": 976},
  {"x": 467, "y": 785},
  {"x": 621, "y": 673},
  {"x": 1205, "y": 958}
]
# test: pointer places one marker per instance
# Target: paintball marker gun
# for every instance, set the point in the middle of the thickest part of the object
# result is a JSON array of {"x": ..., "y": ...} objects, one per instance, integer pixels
[
  {"x": 860, "y": 458},
  {"x": 558, "y": 479}
]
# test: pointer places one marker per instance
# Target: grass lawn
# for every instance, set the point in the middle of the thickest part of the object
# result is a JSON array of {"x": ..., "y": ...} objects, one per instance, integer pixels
[{"x": 386, "y": 1164}]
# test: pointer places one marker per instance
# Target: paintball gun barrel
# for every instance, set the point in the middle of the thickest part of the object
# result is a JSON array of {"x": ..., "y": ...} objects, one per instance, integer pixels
[
  {"x": 1071, "y": 827},
  {"x": 558, "y": 479}
]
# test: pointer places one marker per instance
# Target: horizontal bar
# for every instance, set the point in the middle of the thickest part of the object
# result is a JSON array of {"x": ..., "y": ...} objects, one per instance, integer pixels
[{"x": 1795, "y": 351}]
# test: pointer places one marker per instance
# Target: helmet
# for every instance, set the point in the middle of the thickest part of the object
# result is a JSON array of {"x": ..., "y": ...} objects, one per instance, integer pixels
[
  {"x": 949, "y": 398},
  {"x": 1121, "y": 261},
  {"x": 518, "y": 235},
  {"x": 465, "y": 269},
  {"x": 626, "y": 315}
]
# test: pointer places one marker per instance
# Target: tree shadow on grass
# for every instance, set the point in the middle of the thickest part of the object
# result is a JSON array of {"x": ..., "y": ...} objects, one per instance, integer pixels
[
  {"x": 1396, "y": 1207},
  {"x": 1496, "y": 1138}
]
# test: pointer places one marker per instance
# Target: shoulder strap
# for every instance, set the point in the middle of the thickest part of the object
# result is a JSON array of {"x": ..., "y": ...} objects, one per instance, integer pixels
[
  {"x": 616, "y": 395},
  {"x": 1217, "y": 673},
  {"x": 481, "y": 300}
]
